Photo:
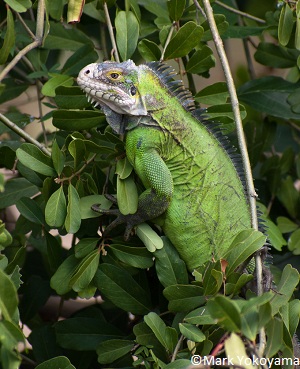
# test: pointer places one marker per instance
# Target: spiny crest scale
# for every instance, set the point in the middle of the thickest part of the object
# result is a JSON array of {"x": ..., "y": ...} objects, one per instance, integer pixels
[{"x": 166, "y": 74}]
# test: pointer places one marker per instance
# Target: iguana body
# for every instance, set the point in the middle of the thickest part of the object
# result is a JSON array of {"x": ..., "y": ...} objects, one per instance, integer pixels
[{"x": 193, "y": 188}]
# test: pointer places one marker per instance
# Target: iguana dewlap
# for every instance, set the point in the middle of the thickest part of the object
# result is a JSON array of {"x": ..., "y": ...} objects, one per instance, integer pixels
[{"x": 193, "y": 188}]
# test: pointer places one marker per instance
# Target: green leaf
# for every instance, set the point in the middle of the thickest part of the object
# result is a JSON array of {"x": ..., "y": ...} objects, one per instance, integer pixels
[
  {"x": 213, "y": 279},
  {"x": 56, "y": 208},
  {"x": 224, "y": 110},
  {"x": 274, "y": 235},
  {"x": 285, "y": 26},
  {"x": 85, "y": 246},
  {"x": 241, "y": 31},
  {"x": 86, "y": 203},
  {"x": 78, "y": 151},
  {"x": 199, "y": 316},
  {"x": 63, "y": 38},
  {"x": 214, "y": 94},
  {"x": 70, "y": 98},
  {"x": 297, "y": 32},
  {"x": 43, "y": 342},
  {"x": 289, "y": 196},
  {"x": 226, "y": 312},
  {"x": 293, "y": 100},
  {"x": 5, "y": 237},
  {"x": 33, "y": 158},
  {"x": 275, "y": 56},
  {"x": 72, "y": 120},
  {"x": 30, "y": 210},
  {"x": 10, "y": 89},
  {"x": 294, "y": 315},
  {"x": 179, "y": 364},
  {"x": 169, "y": 267},
  {"x": 73, "y": 218},
  {"x": 54, "y": 252},
  {"x": 36, "y": 292},
  {"x": 166, "y": 336},
  {"x": 236, "y": 352},
  {"x": 239, "y": 281},
  {"x": 123, "y": 168},
  {"x": 149, "y": 50},
  {"x": 294, "y": 242},
  {"x": 85, "y": 271},
  {"x": 120, "y": 288},
  {"x": 127, "y": 32},
  {"x": 20, "y": 6},
  {"x": 16, "y": 189},
  {"x": 201, "y": 61},
  {"x": 176, "y": 9},
  {"x": 9, "y": 39},
  {"x": 127, "y": 195},
  {"x": 269, "y": 95},
  {"x": 288, "y": 282},
  {"x": 221, "y": 23},
  {"x": 191, "y": 332},
  {"x": 55, "y": 81},
  {"x": 138, "y": 257},
  {"x": 58, "y": 158},
  {"x": 10, "y": 335},
  {"x": 111, "y": 350},
  {"x": 149, "y": 237},
  {"x": 245, "y": 244},
  {"x": 184, "y": 297},
  {"x": 184, "y": 41},
  {"x": 82, "y": 57},
  {"x": 60, "y": 281},
  {"x": 60, "y": 362},
  {"x": 8, "y": 297},
  {"x": 33, "y": 177},
  {"x": 274, "y": 331},
  {"x": 250, "y": 322}
]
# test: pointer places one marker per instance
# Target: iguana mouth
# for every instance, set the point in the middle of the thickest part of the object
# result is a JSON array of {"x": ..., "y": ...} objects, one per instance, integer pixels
[{"x": 98, "y": 92}]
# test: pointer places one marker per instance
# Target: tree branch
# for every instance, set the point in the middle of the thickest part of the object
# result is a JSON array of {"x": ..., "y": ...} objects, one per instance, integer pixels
[
  {"x": 242, "y": 143},
  {"x": 36, "y": 43},
  {"x": 236, "y": 11},
  {"x": 23, "y": 134},
  {"x": 111, "y": 33}
]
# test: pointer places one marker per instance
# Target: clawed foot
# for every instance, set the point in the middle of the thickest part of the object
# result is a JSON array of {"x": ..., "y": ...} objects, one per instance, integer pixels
[{"x": 129, "y": 219}]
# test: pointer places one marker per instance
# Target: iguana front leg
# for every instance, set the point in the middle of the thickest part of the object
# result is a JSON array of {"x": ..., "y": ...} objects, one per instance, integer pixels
[{"x": 157, "y": 179}]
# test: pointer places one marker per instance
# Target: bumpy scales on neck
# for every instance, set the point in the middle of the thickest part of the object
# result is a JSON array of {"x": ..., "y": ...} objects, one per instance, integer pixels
[{"x": 193, "y": 188}]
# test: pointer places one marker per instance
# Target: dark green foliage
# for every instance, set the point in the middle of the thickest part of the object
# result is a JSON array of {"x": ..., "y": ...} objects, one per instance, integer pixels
[{"x": 146, "y": 305}]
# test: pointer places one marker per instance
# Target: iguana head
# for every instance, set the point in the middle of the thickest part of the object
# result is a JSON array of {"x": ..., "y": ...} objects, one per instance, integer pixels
[{"x": 114, "y": 85}]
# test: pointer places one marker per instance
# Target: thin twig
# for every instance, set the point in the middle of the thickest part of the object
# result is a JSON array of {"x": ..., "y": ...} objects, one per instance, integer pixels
[
  {"x": 39, "y": 101},
  {"x": 167, "y": 41},
  {"x": 175, "y": 352},
  {"x": 111, "y": 33},
  {"x": 242, "y": 143},
  {"x": 28, "y": 30},
  {"x": 239, "y": 12},
  {"x": 75, "y": 174},
  {"x": 18, "y": 57},
  {"x": 38, "y": 38},
  {"x": 23, "y": 134}
]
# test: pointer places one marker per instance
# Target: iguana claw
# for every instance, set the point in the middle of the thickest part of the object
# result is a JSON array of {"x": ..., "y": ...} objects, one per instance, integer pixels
[{"x": 129, "y": 219}]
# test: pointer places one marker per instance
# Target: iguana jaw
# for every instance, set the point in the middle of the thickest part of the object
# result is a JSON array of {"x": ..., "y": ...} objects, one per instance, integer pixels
[{"x": 114, "y": 85}]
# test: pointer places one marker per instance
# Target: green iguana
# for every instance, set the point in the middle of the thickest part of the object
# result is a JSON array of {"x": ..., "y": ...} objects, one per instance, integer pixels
[{"x": 194, "y": 190}]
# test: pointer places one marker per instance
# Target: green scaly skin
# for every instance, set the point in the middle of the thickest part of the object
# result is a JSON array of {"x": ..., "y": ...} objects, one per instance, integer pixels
[{"x": 193, "y": 189}]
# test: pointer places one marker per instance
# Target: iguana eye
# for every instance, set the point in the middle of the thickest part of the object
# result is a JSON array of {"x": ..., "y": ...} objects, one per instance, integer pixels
[
  {"x": 114, "y": 75},
  {"x": 132, "y": 90}
]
